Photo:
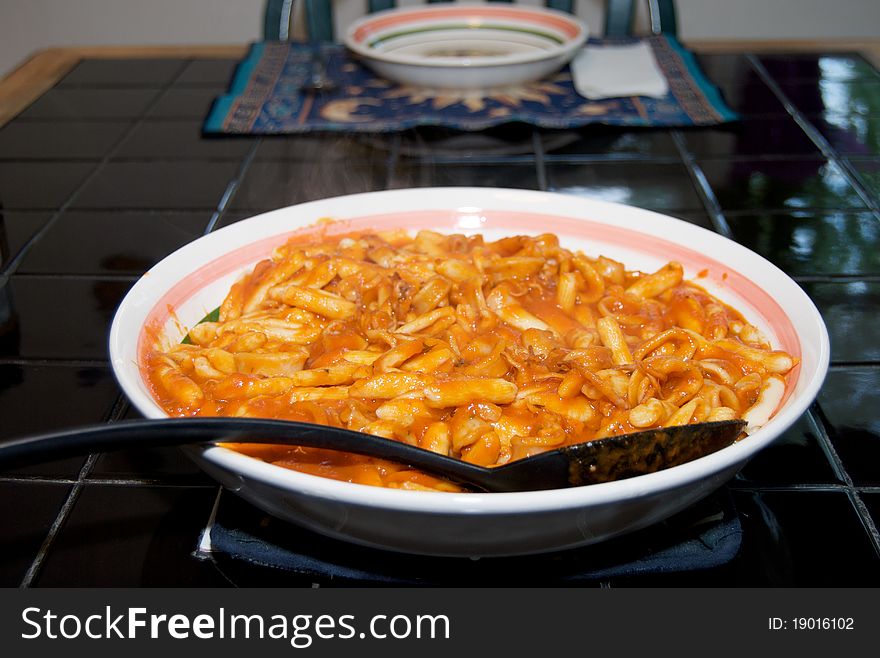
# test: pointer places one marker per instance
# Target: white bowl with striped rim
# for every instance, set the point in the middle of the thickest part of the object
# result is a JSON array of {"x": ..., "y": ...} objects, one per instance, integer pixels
[
  {"x": 461, "y": 46},
  {"x": 180, "y": 290}
]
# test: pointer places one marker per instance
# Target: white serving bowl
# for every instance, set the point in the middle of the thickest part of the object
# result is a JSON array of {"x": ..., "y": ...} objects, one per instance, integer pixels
[
  {"x": 464, "y": 46},
  {"x": 185, "y": 286}
]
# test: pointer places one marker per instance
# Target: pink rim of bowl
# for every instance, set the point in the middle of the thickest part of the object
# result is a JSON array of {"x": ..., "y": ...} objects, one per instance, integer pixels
[
  {"x": 378, "y": 23},
  {"x": 571, "y": 32}
]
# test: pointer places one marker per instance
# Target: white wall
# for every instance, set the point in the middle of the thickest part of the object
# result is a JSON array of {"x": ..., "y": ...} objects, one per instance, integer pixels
[
  {"x": 779, "y": 19},
  {"x": 27, "y": 26}
]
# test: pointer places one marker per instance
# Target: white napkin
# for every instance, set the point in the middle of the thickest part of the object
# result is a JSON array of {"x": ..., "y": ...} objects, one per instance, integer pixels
[{"x": 613, "y": 71}]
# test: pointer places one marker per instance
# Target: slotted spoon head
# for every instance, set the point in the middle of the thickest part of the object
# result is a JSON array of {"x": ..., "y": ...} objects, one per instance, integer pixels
[{"x": 619, "y": 457}]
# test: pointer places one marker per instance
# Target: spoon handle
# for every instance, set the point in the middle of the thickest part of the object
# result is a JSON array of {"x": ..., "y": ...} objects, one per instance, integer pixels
[{"x": 184, "y": 431}]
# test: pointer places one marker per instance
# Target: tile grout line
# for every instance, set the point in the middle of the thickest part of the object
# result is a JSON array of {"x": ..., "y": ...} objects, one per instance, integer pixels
[
  {"x": 540, "y": 161},
  {"x": 106, "y": 481},
  {"x": 96, "y": 276},
  {"x": 864, "y": 514},
  {"x": 839, "y": 365},
  {"x": 820, "y": 422},
  {"x": 708, "y": 157},
  {"x": 132, "y": 159},
  {"x": 432, "y": 158},
  {"x": 392, "y": 160},
  {"x": 610, "y": 159},
  {"x": 814, "y": 413},
  {"x": 121, "y": 210},
  {"x": 232, "y": 187},
  {"x": 13, "y": 264},
  {"x": 59, "y": 521},
  {"x": 35, "y": 479},
  {"x": 867, "y": 520},
  {"x": 704, "y": 190},
  {"x": 109, "y": 481},
  {"x": 127, "y": 158},
  {"x": 120, "y": 407},
  {"x": 133, "y": 210},
  {"x": 813, "y": 133},
  {"x": 67, "y": 506},
  {"x": 67, "y": 363},
  {"x": 746, "y": 485},
  {"x": 835, "y": 278},
  {"x": 809, "y": 210},
  {"x": 789, "y": 488}
]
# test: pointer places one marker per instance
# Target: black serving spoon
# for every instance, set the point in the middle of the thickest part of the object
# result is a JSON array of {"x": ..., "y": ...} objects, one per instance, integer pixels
[{"x": 602, "y": 460}]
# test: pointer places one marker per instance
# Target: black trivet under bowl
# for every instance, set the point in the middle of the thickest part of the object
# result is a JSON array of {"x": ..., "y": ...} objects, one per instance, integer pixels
[{"x": 252, "y": 548}]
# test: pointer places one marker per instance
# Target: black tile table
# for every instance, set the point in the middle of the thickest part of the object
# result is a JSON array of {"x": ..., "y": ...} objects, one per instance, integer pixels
[{"x": 107, "y": 172}]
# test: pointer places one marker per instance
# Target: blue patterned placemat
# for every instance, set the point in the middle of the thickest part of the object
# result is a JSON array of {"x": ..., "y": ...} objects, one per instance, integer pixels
[{"x": 265, "y": 98}]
